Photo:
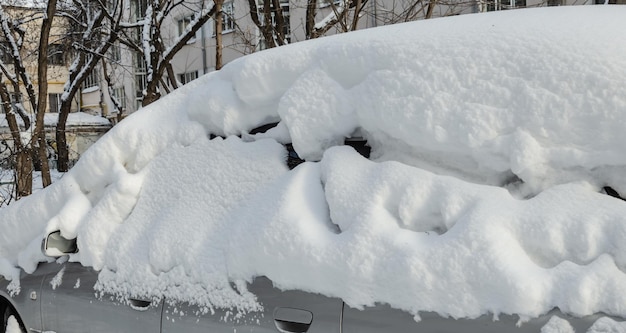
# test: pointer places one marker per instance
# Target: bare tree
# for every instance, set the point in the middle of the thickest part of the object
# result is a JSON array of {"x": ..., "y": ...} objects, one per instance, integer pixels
[
  {"x": 339, "y": 16},
  {"x": 117, "y": 103},
  {"x": 262, "y": 14},
  {"x": 157, "y": 52},
  {"x": 42, "y": 77},
  {"x": 219, "y": 20},
  {"x": 399, "y": 11},
  {"x": 274, "y": 26},
  {"x": 21, "y": 152},
  {"x": 13, "y": 67},
  {"x": 95, "y": 27}
]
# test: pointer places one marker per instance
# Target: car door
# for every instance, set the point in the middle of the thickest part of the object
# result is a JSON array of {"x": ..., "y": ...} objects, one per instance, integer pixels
[
  {"x": 283, "y": 311},
  {"x": 25, "y": 296},
  {"x": 70, "y": 304},
  {"x": 383, "y": 318}
]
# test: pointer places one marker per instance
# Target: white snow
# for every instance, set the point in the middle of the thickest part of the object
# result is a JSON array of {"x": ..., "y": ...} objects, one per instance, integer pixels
[
  {"x": 557, "y": 325},
  {"x": 13, "y": 326},
  {"x": 90, "y": 89},
  {"x": 73, "y": 119},
  {"x": 492, "y": 136},
  {"x": 607, "y": 325},
  {"x": 57, "y": 280},
  {"x": 333, "y": 15}
]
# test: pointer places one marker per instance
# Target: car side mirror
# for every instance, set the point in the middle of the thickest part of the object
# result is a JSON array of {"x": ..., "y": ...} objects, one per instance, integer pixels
[{"x": 55, "y": 245}]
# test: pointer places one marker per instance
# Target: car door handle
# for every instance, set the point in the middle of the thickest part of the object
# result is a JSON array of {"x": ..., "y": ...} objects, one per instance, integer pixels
[
  {"x": 290, "y": 320},
  {"x": 139, "y": 304}
]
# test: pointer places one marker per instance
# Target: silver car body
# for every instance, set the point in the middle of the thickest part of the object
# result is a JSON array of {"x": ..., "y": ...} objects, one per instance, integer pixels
[{"x": 49, "y": 302}]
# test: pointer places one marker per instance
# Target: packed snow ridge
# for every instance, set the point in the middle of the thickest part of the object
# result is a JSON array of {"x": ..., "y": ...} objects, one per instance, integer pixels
[{"x": 492, "y": 137}]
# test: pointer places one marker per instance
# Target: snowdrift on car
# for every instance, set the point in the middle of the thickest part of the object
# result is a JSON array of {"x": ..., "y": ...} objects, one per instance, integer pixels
[{"x": 492, "y": 137}]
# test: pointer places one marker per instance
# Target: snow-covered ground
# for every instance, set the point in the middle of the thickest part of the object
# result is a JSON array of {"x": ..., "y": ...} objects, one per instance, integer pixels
[
  {"x": 7, "y": 183},
  {"x": 492, "y": 137}
]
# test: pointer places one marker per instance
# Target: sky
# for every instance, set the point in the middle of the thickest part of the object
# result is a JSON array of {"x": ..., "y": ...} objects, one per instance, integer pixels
[{"x": 492, "y": 135}]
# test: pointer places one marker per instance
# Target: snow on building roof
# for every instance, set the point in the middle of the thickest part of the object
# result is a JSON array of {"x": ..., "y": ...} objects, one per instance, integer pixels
[
  {"x": 492, "y": 135},
  {"x": 73, "y": 119},
  {"x": 77, "y": 119}
]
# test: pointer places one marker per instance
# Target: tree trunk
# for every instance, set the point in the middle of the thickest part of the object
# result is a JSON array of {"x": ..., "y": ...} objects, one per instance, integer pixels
[
  {"x": 431, "y": 8},
  {"x": 218, "y": 34},
  {"x": 311, "y": 10},
  {"x": 63, "y": 155},
  {"x": 355, "y": 19},
  {"x": 24, "y": 172},
  {"x": 23, "y": 165},
  {"x": 157, "y": 55},
  {"x": 42, "y": 77},
  {"x": 279, "y": 29},
  {"x": 152, "y": 93}
]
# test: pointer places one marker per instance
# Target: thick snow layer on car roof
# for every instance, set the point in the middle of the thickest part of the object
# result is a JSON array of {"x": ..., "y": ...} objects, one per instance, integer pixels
[{"x": 492, "y": 136}]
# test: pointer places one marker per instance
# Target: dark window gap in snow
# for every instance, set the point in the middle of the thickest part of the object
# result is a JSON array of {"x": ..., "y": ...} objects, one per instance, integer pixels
[
  {"x": 608, "y": 190},
  {"x": 263, "y": 128},
  {"x": 293, "y": 159}
]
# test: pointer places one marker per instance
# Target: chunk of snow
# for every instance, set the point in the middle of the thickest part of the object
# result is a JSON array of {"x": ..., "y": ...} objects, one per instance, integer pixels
[
  {"x": 557, "y": 325},
  {"x": 57, "y": 280},
  {"x": 13, "y": 326},
  {"x": 90, "y": 89},
  {"x": 607, "y": 325}
]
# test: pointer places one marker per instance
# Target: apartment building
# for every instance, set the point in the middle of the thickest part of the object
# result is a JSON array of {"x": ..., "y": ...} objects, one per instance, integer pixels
[
  {"x": 82, "y": 129},
  {"x": 58, "y": 60}
]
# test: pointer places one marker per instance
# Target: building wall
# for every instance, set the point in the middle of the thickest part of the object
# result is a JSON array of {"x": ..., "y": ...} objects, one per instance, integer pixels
[{"x": 58, "y": 63}]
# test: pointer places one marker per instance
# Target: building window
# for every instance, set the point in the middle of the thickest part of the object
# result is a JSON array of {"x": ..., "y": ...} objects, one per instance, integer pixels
[
  {"x": 91, "y": 80},
  {"x": 183, "y": 23},
  {"x": 326, "y": 3},
  {"x": 611, "y": 2},
  {"x": 136, "y": 34},
  {"x": 188, "y": 77},
  {"x": 286, "y": 18},
  {"x": 495, "y": 5},
  {"x": 286, "y": 28},
  {"x": 141, "y": 83},
  {"x": 228, "y": 17},
  {"x": 14, "y": 99},
  {"x": 54, "y": 102},
  {"x": 139, "y": 8},
  {"x": 518, "y": 3},
  {"x": 141, "y": 76},
  {"x": 55, "y": 55},
  {"x": 115, "y": 53},
  {"x": 5, "y": 53},
  {"x": 120, "y": 96},
  {"x": 140, "y": 63}
]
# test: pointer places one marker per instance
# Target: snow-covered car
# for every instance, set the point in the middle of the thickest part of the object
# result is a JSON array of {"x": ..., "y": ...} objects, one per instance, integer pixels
[
  {"x": 495, "y": 139},
  {"x": 60, "y": 297}
]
